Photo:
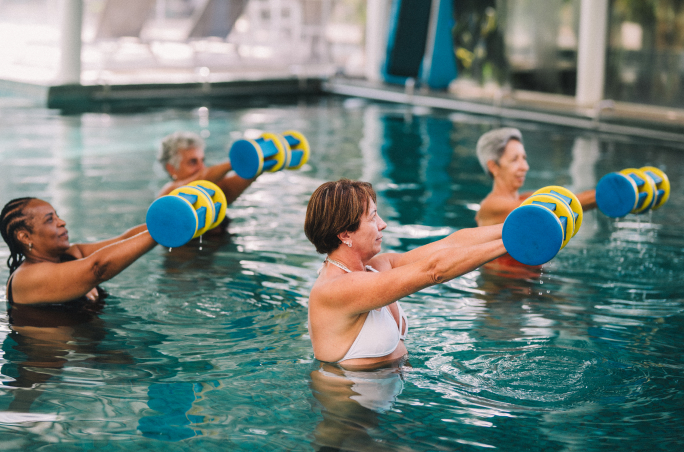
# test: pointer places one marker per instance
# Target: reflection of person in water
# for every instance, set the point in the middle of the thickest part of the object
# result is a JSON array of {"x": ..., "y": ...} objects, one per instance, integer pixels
[
  {"x": 351, "y": 402},
  {"x": 41, "y": 340}
]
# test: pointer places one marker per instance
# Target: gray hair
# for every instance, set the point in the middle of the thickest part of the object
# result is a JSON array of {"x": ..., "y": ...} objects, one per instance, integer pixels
[
  {"x": 491, "y": 145},
  {"x": 171, "y": 145}
]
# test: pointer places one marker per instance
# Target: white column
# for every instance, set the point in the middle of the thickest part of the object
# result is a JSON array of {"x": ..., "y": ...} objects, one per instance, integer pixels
[
  {"x": 70, "y": 42},
  {"x": 377, "y": 14},
  {"x": 591, "y": 51}
]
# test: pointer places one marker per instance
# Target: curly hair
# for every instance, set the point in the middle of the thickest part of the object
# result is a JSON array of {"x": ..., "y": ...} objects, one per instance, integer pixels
[{"x": 12, "y": 219}]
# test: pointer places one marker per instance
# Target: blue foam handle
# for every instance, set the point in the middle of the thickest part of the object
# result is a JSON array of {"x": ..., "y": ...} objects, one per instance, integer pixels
[
  {"x": 171, "y": 221},
  {"x": 549, "y": 205},
  {"x": 639, "y": 181},
  {"x": 615, "y": 195},
  {"x": 188, "y": 196},
  {"x": 642, "y": 198},
  {"x": 268, "y": 164},
  {"x": 292, "y": 141},
  {"x": 296, "y": 158},
  {"x": 217, "y": 210},
  {"x": 201, "y": 218},
  {"x": 532, "y": 235},
  {"x": 268, "y": 148},
  {"x": 567, "y": 199},
  {"x": 244, "y": 159},
  {"x": 207, "y": 190},
  {"x": 657, "y": 179}
]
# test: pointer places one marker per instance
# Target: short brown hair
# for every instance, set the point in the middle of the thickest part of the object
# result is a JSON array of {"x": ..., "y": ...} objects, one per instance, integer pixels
[{"x": 336, "y": 207}]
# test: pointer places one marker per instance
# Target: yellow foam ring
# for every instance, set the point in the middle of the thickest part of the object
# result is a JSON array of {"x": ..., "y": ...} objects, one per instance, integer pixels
[
  {"x": 217, "y": 197},
  {"x": 288, "y": 150},
  {"x": 203, "y": 200},
  {"x": 664, "y": 184},
  {"x": 280, "y": 156},
  {"x": 647, "y": 187},
  {"x": 302, "y": 146},
  {"x": 562, "y": 210},
  {"x": 574, "y": 205}
]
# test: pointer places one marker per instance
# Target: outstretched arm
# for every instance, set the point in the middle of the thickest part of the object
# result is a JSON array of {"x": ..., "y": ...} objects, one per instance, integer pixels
[
  {"x": 461, "y": 238},
  {"x": 213, "y": 174},
  {"x": 49, "y": 282},
  {"x": 363, "y": 291},
  {"x": 80, "y": 250},
  {"x": 587, "y": 199}
]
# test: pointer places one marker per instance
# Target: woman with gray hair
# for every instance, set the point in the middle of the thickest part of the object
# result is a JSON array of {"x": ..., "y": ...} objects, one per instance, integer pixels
[
  {"x": 182, "y": 156},
  {"x": 502, "y": 155}
]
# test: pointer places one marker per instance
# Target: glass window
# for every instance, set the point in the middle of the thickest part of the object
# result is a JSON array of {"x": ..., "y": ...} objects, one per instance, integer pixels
[{"x": 645, "y": 55}]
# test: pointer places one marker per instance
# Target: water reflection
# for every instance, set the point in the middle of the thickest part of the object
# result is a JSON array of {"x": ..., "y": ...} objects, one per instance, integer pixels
[
  {"x": 46, "y": 339},
  {"x": 352, "y": 402}
]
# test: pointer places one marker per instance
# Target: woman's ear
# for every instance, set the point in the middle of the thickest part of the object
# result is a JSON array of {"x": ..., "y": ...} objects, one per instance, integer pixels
[
  {"x": 23, "y": 237},
  {"x": 171, "y": 170},
  {"x": 492, "y": 167},
  {"x": 344, "y": 236}
]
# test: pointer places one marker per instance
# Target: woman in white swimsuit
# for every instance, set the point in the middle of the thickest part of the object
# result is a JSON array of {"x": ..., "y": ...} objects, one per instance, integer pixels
[{"x": 354, "y": 315}]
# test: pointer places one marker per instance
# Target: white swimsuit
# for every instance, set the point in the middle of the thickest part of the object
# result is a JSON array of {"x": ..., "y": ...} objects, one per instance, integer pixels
[{"x": 379, "y": 335}]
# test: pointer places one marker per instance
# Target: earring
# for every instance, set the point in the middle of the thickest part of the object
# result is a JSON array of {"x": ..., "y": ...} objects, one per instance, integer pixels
[
  {"x": 30, "y": 246},
  {"x": 349, "y": 243}
]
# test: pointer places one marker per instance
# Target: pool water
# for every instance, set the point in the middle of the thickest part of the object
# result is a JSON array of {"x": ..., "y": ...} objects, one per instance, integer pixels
[{"x": 206, "y": 347}]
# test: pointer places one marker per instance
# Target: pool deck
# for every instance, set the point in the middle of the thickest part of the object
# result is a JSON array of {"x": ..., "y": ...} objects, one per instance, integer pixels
[{"x": 130, "y": 90}]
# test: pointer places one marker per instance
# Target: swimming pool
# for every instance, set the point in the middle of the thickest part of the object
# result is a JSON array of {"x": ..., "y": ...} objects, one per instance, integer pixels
[{"x": 206, "y": 347}]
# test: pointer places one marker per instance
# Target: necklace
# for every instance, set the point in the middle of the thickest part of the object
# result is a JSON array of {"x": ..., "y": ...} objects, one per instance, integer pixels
[{"x": 338, "y": 264}]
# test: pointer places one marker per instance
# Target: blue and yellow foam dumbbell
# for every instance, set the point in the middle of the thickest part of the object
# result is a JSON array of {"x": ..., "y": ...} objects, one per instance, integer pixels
[
  {"x": 186, "y": 213},
  {"x": 270, "y": 152},
  {"x": 542, "y": 225},
  {"x": 632, "y": 190}
]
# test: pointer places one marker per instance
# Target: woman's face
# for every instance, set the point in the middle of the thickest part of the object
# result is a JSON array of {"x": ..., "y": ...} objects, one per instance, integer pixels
[
  {"x": 49, "y": 235},
  {"x": 368, "y": 237},
  {"x": 192, "y": 161},
  {"x": 512, "y": 166}
]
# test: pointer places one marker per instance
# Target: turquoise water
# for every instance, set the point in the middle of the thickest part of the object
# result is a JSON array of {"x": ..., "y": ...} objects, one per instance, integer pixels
[{"x": 206, "y": 347}]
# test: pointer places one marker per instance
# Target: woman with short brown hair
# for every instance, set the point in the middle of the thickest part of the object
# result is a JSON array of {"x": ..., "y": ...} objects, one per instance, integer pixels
[{"x": 354, "y": 315}]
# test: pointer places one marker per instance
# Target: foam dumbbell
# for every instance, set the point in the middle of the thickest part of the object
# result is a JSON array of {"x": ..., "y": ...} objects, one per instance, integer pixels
[
  {"x": 186, "y": 213},
  {"x": 632, "y": 190},
  {"x": 270, "y": 152},
  {"x": 542, "y": 225},
  {"x": 299, "y": 149}
]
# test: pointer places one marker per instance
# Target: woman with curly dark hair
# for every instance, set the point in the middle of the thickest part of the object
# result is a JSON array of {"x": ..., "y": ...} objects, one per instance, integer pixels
[{"x": 45, "y": 268}]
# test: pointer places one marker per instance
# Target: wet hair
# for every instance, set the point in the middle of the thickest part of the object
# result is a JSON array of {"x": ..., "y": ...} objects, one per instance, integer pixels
[
  {"x": 171, "y": 145},
  {"x": 492, "y": 144},
  {"x": 12, "y": 219},
  {"x": 336, "y": 207}
]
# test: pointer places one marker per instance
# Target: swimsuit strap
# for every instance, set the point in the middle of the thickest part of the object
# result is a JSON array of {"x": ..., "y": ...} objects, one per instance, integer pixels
[
  {"x": 9, "y": 290},
  {"x": 337, "y": 264},
  {"x": 341, "y": 266}
]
